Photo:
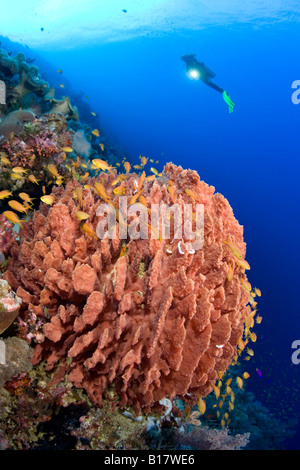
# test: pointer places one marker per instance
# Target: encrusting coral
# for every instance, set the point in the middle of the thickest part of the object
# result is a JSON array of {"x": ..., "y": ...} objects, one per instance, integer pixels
[{"x": 151, "y": 319}]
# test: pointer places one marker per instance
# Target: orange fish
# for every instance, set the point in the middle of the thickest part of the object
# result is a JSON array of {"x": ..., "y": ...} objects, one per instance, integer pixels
[
  {"x": 127, "y": 167},
  {"x": 88, "y": 230},
  {"x": 5, "y": 193},
  {"x": 17, "y": 206},
  {"x": 33, "y": 179},
  {"x": 12, "y": 217}
]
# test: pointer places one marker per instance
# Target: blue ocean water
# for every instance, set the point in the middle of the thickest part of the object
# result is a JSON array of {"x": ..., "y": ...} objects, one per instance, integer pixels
[{"x": 146, "y": 104}]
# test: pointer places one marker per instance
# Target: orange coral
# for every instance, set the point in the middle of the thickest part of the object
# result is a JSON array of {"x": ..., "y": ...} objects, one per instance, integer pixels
[{"x": 157, "y": 321}]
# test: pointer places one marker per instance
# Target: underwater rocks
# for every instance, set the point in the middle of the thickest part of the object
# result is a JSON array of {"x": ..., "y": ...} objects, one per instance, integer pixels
[
  {"x": 9, "y": 305},
  {"x": 18, "y": 355},
  {"x": 148, "y": 317},
  {"x": 13, "y": 124}
]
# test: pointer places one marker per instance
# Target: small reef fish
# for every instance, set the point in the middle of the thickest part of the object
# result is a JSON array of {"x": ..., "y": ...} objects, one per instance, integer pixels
[
  {"x": 96, "y": 132},
  {"x": 67, "y": 149},
  {"x": 12, "y": 217},
  {"x": 88, "y": 230},
  {"x": 59, "y": 71},
  {"x": 19, "y": 170},
  {"x": 127, "y": 167},
  {"x": 4, "y": 159},
  {"x": 230, "y": 272},
  {"x": 246, "y": 375},
  {"x": 53, "y": 170},
  {"x": 48, "y": 199},
  {"x": 5, "y": 193},
  {"x": 257, "y": 292},
  {"x": 119, "y": 191},
  {"x": 102, "y": 165},
  {"x": 201, "y": 405},
  {"x": 150, "y": 178},
  {"x": 62, "y": 85},
  {"x": 242, "y": 263},
  {"x": 93, "y": 114},
  {"x": 33, "y": 179},
  {"x": 101, "y": 191},
  {"x": 143, "y": 160},
  {"x": 102, "y": 146},
  {"x": 155, "y": 171},
  {"x": 240, "y": 382},
  {"x": 26, "y": 197},
  {"x": 82, "y": 215},
  {"x": 17, "y": 206},
  {"x": 171, "y": 191},
  {"x": 258, "y": 371},
  {"x": 17, "y": 176},
  {"x": 234, "y": 248},
  {"x": 191, "y": 194}
]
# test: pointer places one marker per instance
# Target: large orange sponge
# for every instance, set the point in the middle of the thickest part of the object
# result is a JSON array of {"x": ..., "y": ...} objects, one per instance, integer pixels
[{"x": 157, "y": 320}]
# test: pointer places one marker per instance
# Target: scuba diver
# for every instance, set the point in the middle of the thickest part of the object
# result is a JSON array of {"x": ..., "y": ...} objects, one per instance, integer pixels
[{"x": 198, "y": 70}]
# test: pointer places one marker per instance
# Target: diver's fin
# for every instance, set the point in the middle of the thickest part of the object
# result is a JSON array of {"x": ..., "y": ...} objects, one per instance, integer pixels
[{"x": 229, "y": 101}]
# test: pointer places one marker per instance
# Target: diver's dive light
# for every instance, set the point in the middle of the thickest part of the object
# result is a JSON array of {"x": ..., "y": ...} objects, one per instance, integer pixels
[{"x": 193, "y": 73}]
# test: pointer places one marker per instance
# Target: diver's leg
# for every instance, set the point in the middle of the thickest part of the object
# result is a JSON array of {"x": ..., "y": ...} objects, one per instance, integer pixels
[{"x": 214, "y": 86}]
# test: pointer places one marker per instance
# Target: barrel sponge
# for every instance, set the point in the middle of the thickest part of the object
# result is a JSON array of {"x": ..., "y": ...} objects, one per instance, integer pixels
[{"x": 148, "y": 321}]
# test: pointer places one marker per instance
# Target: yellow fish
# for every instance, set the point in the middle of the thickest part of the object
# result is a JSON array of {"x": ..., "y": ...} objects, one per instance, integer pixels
[
  {"x": 93, "y": 114},
  {"x": 102, "y": 146},
  {"x": 141, "y": 181},
  {"x": 82, "y": 215},
  {"x": 101, "y": 191},
  {"x": 102, "y": 165},
  {"x": 127, "y": 167},
  {"x": 53, "y": 170},
  {"x": 243, "y": 263},
  {"x": 144, "y": 160},
  {"x": 48, "y": 199},
  {"x": 217, "y": 391},
  {"x": 201, "y": 405},
  {"x": 88, "y": 230},
  {"x": 5, "y": 193},
  {"x": 191, "y": 193},
  {"x": 257, "y": 291},
  {"x": 150, "y": 178},
  {"x": 234, "y": 248},
  {"x": 119, "y": 191},
  {"x": 230, "y": 272},
  {"x": 258, "y": 319},
  {"x": 67, "y": 149},
  {"x": 17, "y": 206},
  {"x": 171, "y": 191},
  {"x": 62, "y": 85},
  {"x": 95, "y": 132},
  {"x": 246, "y": 375},
  {"x": 33, "y": 179},
  {"x": 4, "y": 159},
  {"x": 155, "y": 171},
  {"x": 240, "y": 382},
  {"x": 19, "y": 169},
  {"x": 118, "y": 179},
  {"x": 250, "y": 352},
  {"x": 12, "y": 217},
  {"x": 17, "y": 176}
]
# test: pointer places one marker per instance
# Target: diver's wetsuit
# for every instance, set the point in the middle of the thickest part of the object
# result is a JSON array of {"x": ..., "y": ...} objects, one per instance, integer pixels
[{"x": 205, "y": 74}]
